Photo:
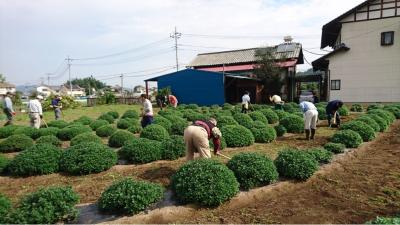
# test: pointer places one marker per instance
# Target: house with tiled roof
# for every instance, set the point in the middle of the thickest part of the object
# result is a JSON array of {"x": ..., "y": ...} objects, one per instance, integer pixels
[{"x": 6, "y": 87}]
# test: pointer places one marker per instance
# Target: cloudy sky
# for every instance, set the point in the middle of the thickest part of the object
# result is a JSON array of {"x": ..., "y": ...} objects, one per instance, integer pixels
[{"x": 106, "y": 38}]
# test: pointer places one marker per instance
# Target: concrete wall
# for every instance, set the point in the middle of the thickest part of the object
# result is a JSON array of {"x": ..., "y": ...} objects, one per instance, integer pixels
[{"x": 368, "y": 72}]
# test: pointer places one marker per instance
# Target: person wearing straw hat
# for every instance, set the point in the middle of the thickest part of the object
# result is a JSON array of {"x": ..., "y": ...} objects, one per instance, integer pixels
[{"x": 35, "y": 111}]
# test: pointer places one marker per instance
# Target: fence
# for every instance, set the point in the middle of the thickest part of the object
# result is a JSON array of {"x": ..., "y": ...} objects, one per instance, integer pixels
[{"x": 127, "y": 101}]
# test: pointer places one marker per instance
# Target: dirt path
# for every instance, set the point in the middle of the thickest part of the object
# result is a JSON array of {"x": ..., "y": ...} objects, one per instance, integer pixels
[{"x": 355, "y": 188}]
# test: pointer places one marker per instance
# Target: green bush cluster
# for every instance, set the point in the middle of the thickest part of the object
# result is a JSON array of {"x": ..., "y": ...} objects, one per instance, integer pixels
[
  {"x": 383, "y": 124},
  {"x": 243, "y": 120},
  {"x": 36, "y": 160},
  {"x": 394, "y": 109},
  {"x": 349, "y": 138},
  {"x": 321, "y": 155},
  {"x": 5, "y": 207},
  {"x": 271, "y": 116},
  {"x": 280, "y": 130},
  {"x": 264, "y": 135},
  {"x": 322, "y": 113},
  {"x": 371, "y": 122},
  {"x": 114, "y": 114},
  {"x": 98, "y": 123},
  {"x": 258, "y": 124},
  {"x": 67, "y": 133},
  {"x": 178, "y": 125},
  {"x": 253, "y": 170},
  {"x": 226, "y": 120},
  {"x": 173, "y": 148},
  {"x": 344, "y": 111},
  {"x": 85, "y": 120},
  {"x": 15, "y": 143},
  {"x": 293, "y": 124},
  {"x": 7, "y": 131},
  {"x": 258, "y": 116},
  {"x": 292, "y": 163},
  {"x": 126, "y": 123},
  {"x": 49, "y": 139},
  {"x": 129, "y": 196},
  {"x": 58, "y": 123},
  {"x": 226, "y": 106},
  {"x": 163, "y": 122},
  {"x": 4, "y": 161},
  {"x": 118, "y": 138},
  {"x": 281, "y": 114},
  {"x": 356, "y": 108},
  {"x": 141, "y": 150},
  {"x": 105, "y": 131},
  {"x": 48, "y": 131},
  {"x": 135, "y": 129},
  {"x": 130, "y": 114},
  {"x": 204, "y": 182},
  {"x": 335, "y": 147},
  {"x": 365, "y": 131},
  {"x": 387, "y": 116},
  {"x": 385, "y": 220},
  {"x": 237, "y": 136},
  {"x": 374, "y": 106},
  {"x": 85, "y": 138},
  {"x": 28, "y": 131},
  {"x": 107, "y": 117},
  {"x": 155, "y": 132},
  {"x": 87, "y": 158}
]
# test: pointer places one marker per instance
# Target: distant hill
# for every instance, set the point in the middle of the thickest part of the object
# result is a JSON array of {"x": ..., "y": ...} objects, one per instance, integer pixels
[{"x": 26, "y": 89}]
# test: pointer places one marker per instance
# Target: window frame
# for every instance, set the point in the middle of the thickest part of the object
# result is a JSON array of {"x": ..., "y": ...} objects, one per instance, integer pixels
[
  {"x": 335, "y": 85},
  {"x": 383, "y": 35}
]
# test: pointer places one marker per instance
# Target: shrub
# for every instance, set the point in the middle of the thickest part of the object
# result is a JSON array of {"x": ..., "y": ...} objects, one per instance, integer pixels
[
  {"x": 67, "y": 133},
  {"x": 365, "y": 131},
  {"x": 129, "y": 196},
  {"x": 3, "y": 163},
  {"x": 173, "y": 148},
  {"x": 155, "y": 132},
  {"x": 237, "y": 136},
  {"x": 178, "y": 125},
  {"x": 335, "y": 147},
  {"x": 385, "y": 220},
  {"x": 383, "y": 124},
  {"x": 118, "y": 138},
  {"x": 163, "y": 122},
  {"x": 258, "y": 116},
  {"x": 258, "y": 124},
  {"x": 204, "y": 182},
  {"x": 271, "y": 116},
  {"x": 374, "y": 106},
  {"x": 85, "y": 120},
  {"x": 105, "y": 131},
  {"x": 371, "y": 122},
  {"x": 5, "y": 207},
  {"x": 290, "y": 108},
  {"x": 227, "y": 106},
  {"x": 86, "y": 158},
  {"x": 344, "y": 111},
  {"x": 48, "y": 205},
  {"x": 57, "y": 123},
  {"x": 349, "y": 138},
  {"x": 281, "y": 114},
  {"x": 243, "y": 120},
  {"x": 393, "y": 109},
  {"x": 98, "y": 123},
  {"x": 293, "y": 124},
  {"x": 107, "y": 117},
  {"x": 253, "y": 170},
  {"x": 356, "y": 108},
  {"x": 7, "y": 131},
  {"x": 126, "y": 123},
  {"x": 192, "y": 106},
  {"x": 226, "y": 120},
  {"x": 49, "y": 139},
  {"x": 28, "y": 131},
  {"x": 48, "y": 131},
  {"x": 135, "y": 129},
  {"x": 141, "y": 150},
  {"x": 15, "y": 143},
  {"x": 36, "y": 160},
  {"x": 114, "y": 114},
  {"x": 322, "y": 113},
  {"x": 130, "y": 114},
  {"x": 85, "y": 138},
  {"x": 388, "y": 116},
  {"x": 280, "y": 130},
  {"x": 264, "y": 135},
  {"x": 321, "y": 155},
  {"x": 292, "y": 163}
]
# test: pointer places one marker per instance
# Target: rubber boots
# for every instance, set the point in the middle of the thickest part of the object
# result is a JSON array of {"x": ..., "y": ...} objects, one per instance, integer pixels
[
  {"x": 307, "y": 134},
  {"x": 312, "y": 134}
]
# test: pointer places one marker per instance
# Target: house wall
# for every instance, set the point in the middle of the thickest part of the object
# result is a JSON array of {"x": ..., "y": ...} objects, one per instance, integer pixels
[
  {"x": 368, "y": 72},
  {"x": 4, "y": 91}
]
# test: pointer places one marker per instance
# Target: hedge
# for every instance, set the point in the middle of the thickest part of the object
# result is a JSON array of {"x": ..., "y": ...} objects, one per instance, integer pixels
[
  {"x": 58, "y": 123},
  {"x": 86, "y": 158},
  {"x": 130, "y": 114},
  {"x": 85, "y": 138},
  {"x": 349, "y": 138},
  {"x": 141, "y": 150},
  {"x": 243, "y": 120},
  {"x": 253, "y": 170},
  {"x": 258, "y": 116},
  {"x": 280, "y": 130},
  {"x": 37, "y": 160},
  {"x": 365, "y": 131},
  {"x": 271, "y": 116},
  {"x": 204, "y": 182},
  {"x": 264, "y": 135},
  {"x": 5, "y": 207},
  {"x": 129, "y": 196},
  {"x": 320, "y": 154},
  {"x": 98, "y": 123},
  {"x": 292, "y": 163},
  {"x": 173, "y": 148},
  {"x": 49, "y": 139},
  {"x": 155, "y": 132},
  {"x": 293, "y": 124},
  {"x": 15, "y": 143},
  {"x": 105, "y": 131},
  {"x": 237, "y": 136},
  {"x": 67, "y": 133},
  {"x": 118, "y": 138},
  {"x": 335, "y": 147}
]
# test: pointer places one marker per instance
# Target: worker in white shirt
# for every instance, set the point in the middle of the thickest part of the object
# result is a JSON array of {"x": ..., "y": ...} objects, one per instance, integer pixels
[
  {"x": 245, "y": 102},
  {"x": 310, "y": 118},
  {"x": 277, "y": 101},
  {"x": 35, "y": 111},
  {"x": 8, "y": 108},
  {"x": 147, "y": 111}
]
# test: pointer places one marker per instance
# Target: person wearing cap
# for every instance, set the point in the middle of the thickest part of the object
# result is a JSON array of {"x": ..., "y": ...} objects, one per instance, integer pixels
[
  {"x": 56, "y": 105},
  {"x": 310, "y": 118},
  {"x": 245, "y": 102},
  {"x": 8, "y": 108},
  {"x": 197, "y": 136},
  {"x": 35, "y": 111},
  {"x": 147, "y": 111},
  {"x": 277, "y": 101}
]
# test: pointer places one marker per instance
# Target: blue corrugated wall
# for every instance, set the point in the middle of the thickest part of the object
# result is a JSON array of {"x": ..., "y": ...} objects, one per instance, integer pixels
[{"x": 195, "y": 86}]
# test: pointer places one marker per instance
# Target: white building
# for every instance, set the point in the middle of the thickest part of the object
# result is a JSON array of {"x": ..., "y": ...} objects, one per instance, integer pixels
[
  {"x": 46, "y": 90},
  {"x": 6, "y": 87},
  {"x": 365, "y": 63}
]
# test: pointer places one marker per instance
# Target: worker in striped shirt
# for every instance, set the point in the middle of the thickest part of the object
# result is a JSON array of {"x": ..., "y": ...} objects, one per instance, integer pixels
[{"x": 310, "y": 118}]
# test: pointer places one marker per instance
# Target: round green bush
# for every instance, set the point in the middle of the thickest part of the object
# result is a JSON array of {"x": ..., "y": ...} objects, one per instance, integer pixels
[
  {"x": 47, "y": 206},
  {"x": 86, "y": 158},
  {"x": 335, "y": 147},
  {"x": 393, "y": 109},
  {"x": 290, "y": 108},
  {"x": 155, "y": 132},
  {"x": 98, "y": 123},
  {"x": 237, "y": 136},
  {"x": 344, "y": 111},
  {"x": 243, "y": 120},
  {"x": 293, "y": 124},
  {"x": 105, "y": 131},
  {"x": 322, "y": 113},
  {"x": 264, "y": 135},
  {"x": 48, "y": 131},
  {"x": 49, "y": 139},
  {"x": 226, "y": 120},
  {"x": 320, "y": 154},
  {"x": 365, "y": 131},
  {"x": 292, "y": 163},
  {"x": 204, "y": 182},
  {"x": 130, "y": 114},
  {"x": 7, "y": 131},
  {"x": 192, "y": 106},
  {"x": 28, "y": 131},
  {"x": 141, "y": 150},
  {"x": 58, "y": 123},
  {"x": 253, "y": 170},
  {"x": 374, "y": 106},
  {"x": 135, "y": 129},
  {"x": 356, "y": 108},
  {"x": 173, "y": 148},
  {"x": 271, "y": 116},
  {"x": 107, "y": 117},
  {"x": 197, "y": 116},
  {"x": 118, "y": 138},
  {"x": 258, "y": 116},
  {"x": 36, "y": 160},
  {"x": 126, "y": 123},
  {"x": 178, "y": 125},
  {"x": 371, "y": 122},
  {"x": 84, "y": 138},
  {"x": 4, "y": 161},
  {"x": 349, "y": 138},
  {"x": 85, "y": 120},
  {"x": 226, "y": 106},
  {"x": 163, "y": 122},
  {"x": 5, "y": 207},
  {"x": 383, "y": 124},
  {"x": 388, "y": 116},
  {"x": 281, "y": 114},
  {"x": 15, "y": 143},
  {"x": 385, "y": 220},
  {"x": 67, "y": 133},
  {"x": 129, "y": 196},
  {"x": 258, "y": 124},
  {"x": 114, "y": 114},
  {"x": 280, "y": 130}
]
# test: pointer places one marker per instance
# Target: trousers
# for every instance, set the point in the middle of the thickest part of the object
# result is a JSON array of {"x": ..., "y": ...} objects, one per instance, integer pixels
[
  {"x": 196, "y": 140},
  {"x": 35, "y": 120},
  {"x": 310, "y": 119}
]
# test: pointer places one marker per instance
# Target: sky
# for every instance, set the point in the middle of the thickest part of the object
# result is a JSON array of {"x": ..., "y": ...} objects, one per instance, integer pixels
[{"x": 106, "y": 38}]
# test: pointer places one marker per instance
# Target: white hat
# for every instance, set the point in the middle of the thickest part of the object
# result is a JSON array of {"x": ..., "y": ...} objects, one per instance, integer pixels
[{"x": 39, "y": 97}]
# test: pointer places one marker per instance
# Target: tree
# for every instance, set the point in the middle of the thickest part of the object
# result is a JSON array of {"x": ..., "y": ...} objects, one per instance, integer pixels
[
  {"x": 89, "y": 83},
  {"x": 2, "y": 78}
]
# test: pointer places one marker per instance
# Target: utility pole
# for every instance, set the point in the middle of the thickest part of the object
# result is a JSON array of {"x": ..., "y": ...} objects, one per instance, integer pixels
[
  {"x": 176, "y": 36},
  {"x": 122, "y": 84},
  {"x": 69, "y": 73}
]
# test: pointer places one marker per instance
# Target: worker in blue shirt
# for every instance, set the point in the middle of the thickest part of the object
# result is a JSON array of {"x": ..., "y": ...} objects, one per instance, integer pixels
[
  {"x": 56, "y": 105},
  {"x": 310, "y": 118},
  {"x": 332, "y": 111},
  {"x": 8, "y": 108}
]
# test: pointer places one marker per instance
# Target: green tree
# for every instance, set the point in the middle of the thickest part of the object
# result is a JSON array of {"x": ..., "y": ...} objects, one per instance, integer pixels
[
  {"x": 89, "y": 83},
  {"x": 2, "y": 78}
]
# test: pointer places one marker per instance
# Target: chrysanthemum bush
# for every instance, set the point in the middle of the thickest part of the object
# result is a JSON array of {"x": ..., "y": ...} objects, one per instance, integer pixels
[
  {"x": 85, "y": 138},
  {"x": 368, "y": 120},
  {"x": 5, "y": 208},
  {"x": 383, "y": 124},
  {"x": 85, "y": 120},
  {"x": 58, "y": 123},
  {"x": 280, "y": 130},
  {"x": 178, "y": 124},
  {"x": 141, "y": 150},
  {"x": 49, "y": 139},
  {"x": 130, "y": 114},
  {"x": 356, "y": 108},
  {"x": 226, "y": 120},
  {"x": 4, "y": 161},
  {"x": 293, "y": 124},
  {"x": 107, "y": 117},
  {"x": 155, "y": 132},
  {"x": 271, "y": 116},
  {"x": 344, "y": 111},
  {"x": 130, "y": 196},
  {"x": 7, "y": 131},
  {"x": 258, "y": 116},
  {"x": 204, "y": 182},
  {"x": 67, "y": 133},
  {"x": 335, "y": 147},
  {"x": 349, "y": 138},
  {"x": 15, "y": 143},
  {"x": 281, "y": 114},
  {"x": 264, "y": 135},
  {"x": 253, "y": 170},
  {"x": 119, "y": 137},
  {"x": 173, "y": 148},
  {"x": 320, "y": 154},
  {"x": 243, "y": 120},
  {"x": 105, "y": 131},
  {"x": 98, "y": 123},
  {"x": 28, "y": 131},
  {"x": 135, "y": 129},
  {"x": 48, "y": 131},
  {"x": 126, "y": 123},
  {"x": 114, "y": 114},
  {"x": 386, "y": 115},
  {"x": 237, "y": 136},
  {"x": 322, "y": 113},
  {"x": 293, "y": 163},
  {"x": 365, "y": 131}
]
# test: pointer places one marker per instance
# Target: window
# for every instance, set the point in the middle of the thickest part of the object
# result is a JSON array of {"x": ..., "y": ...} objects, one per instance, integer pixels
[
  {"x": 387, "y": 38},
  {"x": 335, "y": 84}
]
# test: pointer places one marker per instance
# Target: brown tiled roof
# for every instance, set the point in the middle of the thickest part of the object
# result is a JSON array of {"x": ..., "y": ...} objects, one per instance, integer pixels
[{"x": 6, "y": 85}]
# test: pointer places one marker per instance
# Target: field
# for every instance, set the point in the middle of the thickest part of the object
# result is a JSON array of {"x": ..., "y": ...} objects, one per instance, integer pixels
[{"x": 356, "y": 186}]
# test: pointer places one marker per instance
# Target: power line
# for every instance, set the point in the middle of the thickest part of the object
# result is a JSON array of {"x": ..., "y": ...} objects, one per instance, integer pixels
[
  {"x": 312, "y": 52},
  {"x": 245, "y": 36}
]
